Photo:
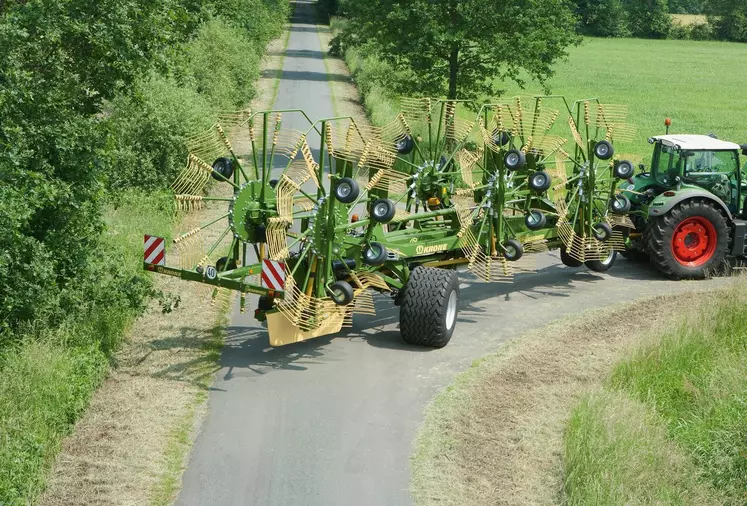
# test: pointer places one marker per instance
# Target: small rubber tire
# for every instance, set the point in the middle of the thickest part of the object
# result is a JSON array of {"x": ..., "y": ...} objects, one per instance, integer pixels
[
  {"x": 540, "y": 181},
  {"x": 604, "y": 150},
  {"x": 602, "y": 265},
  {"x": 500, "y": 137},
  {"x": 222, "y": 169},
  {"x": 515, "y": 160},
  {"x": 404, "y": 145},
  {"x": 624, "y": 169},
  {"x": 265, "y": 303},
  {"x": 620, "y": 204},
  {"x": 382, "y": 211},
  {"x": 347, "y": 190},
  {"x": 430, "y": 306},
  {"x": 222, "y": 262},
  {"x": 375, "y": 254},
  {"x": 661, "y": 238},
  {"x": 568, "y": 260},
  {"x": 602, "y": 232},
  {"x": 273, "y": 183},
  {"x": 513, "y": 250},
  {"x": 342, "y": 293},
  {"x": 535, "y": 220}
]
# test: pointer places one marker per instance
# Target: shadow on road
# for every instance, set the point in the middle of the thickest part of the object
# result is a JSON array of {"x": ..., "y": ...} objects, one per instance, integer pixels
[
  {"x": 247, "y": 348},
  {"x": 295, "y": 75}
]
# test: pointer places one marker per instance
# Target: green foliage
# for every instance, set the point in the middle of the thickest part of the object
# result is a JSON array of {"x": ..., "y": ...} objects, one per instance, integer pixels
[
  {"x": 729, "y": 19},
  {"x": 148, "y": 131},
  {"x": 95, "y": 98},
  {"x": 223, "y": 64},
  {"x": 603, "y": 18},
  {"x": 649, "y": 19},
  {"x": 458, "y": 49},
  {"x": 687, "y": 6},
  {"x": 44, "y": 386}
]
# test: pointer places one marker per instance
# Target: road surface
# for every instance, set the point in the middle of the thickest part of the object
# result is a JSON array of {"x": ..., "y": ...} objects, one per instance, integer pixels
[{"x": 332, "y": 421}]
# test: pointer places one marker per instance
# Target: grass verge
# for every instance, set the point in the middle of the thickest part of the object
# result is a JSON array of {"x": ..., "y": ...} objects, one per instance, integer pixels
[
  {"x": 47, "y": 381},
  {"x": 694, "y": 380},
  {"x": 496, "y": 435}
]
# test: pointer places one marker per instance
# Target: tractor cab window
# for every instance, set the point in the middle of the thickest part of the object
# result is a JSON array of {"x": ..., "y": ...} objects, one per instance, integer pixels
[
  {"x": 715, "y": 171},
  {"x": 664, "y": 165}
]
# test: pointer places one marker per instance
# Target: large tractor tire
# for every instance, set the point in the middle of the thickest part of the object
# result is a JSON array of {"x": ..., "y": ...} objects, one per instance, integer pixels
[
  {"x": 429, "y": 307},
  {"x": 691, "y": 241}
]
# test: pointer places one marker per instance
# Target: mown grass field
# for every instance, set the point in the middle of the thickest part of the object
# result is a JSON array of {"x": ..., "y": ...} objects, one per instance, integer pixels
[{"x": 698, "y": 84}]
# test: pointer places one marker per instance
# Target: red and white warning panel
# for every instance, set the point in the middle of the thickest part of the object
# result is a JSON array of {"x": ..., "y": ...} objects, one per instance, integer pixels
[
  {"x": 154, "y": 250},
  {"x": 273, "y": 275}
]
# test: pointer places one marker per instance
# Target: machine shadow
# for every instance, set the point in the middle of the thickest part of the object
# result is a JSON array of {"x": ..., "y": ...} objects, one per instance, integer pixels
[{"x": 247, "y": 348}]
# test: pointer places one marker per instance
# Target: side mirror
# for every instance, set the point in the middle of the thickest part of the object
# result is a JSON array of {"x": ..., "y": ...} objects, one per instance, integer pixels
[
  {"x": 744, "y": 149},
  {"x": 688, "y": 154}
]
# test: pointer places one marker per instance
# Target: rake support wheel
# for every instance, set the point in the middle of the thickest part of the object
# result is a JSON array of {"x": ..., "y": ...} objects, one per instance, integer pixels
[{"x": 429, "y": 307}]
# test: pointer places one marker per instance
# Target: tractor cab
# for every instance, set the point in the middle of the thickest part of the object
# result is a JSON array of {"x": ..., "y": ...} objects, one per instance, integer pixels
[{"x": 699, "y": 161}]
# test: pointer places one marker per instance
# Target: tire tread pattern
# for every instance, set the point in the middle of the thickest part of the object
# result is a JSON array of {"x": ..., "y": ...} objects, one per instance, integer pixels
[
  {"x": 423, "y": 310},
  {"x": 662, "y": 229}
]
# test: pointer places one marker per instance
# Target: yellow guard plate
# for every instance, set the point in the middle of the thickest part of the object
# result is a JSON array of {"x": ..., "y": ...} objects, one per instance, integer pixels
[{"x": 283, "y": 332}]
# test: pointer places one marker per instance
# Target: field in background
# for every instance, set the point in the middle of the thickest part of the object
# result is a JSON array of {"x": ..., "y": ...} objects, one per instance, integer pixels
[
  {"x": 698, "y": 84},
  {"x": 689, "y": 19}
]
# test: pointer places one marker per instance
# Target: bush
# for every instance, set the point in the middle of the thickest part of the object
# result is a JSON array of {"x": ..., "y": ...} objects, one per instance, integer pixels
[
  {"x": 649, "y": 19},
  {"x": 148, "y": 130},
  {"x": 223, "y": 64},
  {"x": 603, "y": 18}
]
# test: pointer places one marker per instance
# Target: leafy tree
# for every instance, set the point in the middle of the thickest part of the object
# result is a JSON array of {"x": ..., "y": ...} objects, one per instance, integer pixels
[
  {"x": 603, "y": 18},
  {"x": 649, "y": 19},
  {"x": 729, "y": 19},
  {"x": 463, "y": 48},
  {"x": 687, "y": 6}
]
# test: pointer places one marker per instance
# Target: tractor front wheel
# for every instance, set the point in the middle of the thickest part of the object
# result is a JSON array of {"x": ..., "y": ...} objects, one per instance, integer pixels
[
  {"x": 690, "y": 241},
  {"x": 429, "y": 308}
]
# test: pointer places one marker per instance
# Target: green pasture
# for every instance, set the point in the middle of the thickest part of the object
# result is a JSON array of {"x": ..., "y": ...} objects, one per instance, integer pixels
[{"x": 700, "y": 85}]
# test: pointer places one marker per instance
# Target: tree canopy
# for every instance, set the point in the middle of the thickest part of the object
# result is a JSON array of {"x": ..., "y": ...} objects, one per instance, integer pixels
[{"x": 463, "y": 49}]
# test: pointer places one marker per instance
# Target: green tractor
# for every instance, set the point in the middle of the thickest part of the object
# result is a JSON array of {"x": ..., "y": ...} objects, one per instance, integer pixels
[{"x": 689, "y": 207}]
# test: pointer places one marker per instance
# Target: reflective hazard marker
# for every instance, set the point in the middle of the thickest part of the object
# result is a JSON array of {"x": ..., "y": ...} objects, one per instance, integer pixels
[
  {"x": 154, "y": 250},
  {"x": 273, "y": 275}
]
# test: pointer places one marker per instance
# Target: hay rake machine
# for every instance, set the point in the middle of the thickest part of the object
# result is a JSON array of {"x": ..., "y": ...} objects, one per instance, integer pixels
[{"x": 318, "y": 218}]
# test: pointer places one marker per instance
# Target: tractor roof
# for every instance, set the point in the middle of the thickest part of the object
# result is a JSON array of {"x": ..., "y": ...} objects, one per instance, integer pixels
[{"x": 697, "y": 142}]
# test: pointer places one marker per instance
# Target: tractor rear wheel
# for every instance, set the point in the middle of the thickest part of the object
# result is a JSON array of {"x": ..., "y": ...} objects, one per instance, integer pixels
[
  {"x": 690, "y": 241},
  {"x": 429, "y": 307}
]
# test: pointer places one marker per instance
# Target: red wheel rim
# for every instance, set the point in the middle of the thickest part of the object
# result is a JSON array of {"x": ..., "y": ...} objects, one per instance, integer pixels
[{"x": 694, "y": 241}]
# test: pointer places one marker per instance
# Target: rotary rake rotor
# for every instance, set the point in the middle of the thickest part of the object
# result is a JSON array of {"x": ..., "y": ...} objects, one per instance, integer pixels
[
  {"x": 593, "y": 212},
  {"x": 314, "y": 217}
]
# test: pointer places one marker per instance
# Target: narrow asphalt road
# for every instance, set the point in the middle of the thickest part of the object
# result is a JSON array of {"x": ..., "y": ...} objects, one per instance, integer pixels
[{"x": 332, "y": 421}]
